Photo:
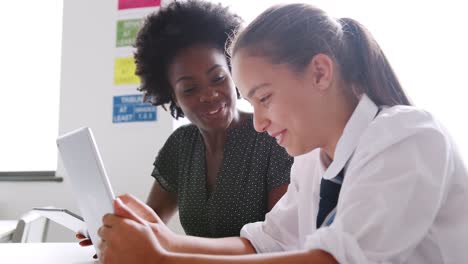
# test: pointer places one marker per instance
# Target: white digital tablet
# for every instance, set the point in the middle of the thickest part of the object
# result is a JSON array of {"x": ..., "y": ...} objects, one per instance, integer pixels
[{"x": 88, "y": 178}]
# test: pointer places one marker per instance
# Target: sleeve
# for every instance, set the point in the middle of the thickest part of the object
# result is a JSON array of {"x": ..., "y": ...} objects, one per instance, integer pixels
[
  {"x": 391, "y": 194},
  {"x": 279, "y": 167},
  {"x": 166, "y": 164},
  {"x": 279, "y": 232}
]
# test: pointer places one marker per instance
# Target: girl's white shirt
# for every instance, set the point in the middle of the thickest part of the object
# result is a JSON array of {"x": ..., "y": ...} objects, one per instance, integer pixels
[{"x": 404, "y": 197}]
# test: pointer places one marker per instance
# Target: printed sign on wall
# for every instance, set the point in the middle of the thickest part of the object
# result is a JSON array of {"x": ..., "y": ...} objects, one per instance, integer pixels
[
  {"x": 126, "y": 4},
  {"x": 130, "y": 108},
  {"x": 127, "y": 31},
  {"x": 124, "y": 71}
]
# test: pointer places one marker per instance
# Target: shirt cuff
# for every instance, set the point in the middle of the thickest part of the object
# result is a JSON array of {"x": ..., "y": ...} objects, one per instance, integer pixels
[
  {"x": 341, "y": 245},
  {"x": 261, "y": 241}
]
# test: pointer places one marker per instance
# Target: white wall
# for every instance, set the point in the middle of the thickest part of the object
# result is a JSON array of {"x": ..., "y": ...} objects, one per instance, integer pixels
[{"x": 128, "y": 150}]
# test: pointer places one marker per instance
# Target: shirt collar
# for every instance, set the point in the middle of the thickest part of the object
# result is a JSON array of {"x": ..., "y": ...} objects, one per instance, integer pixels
[{"x": 364, "y": 113}]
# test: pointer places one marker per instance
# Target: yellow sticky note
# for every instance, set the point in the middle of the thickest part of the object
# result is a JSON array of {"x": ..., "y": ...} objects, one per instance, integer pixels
[{"x": 124, "y": 71}]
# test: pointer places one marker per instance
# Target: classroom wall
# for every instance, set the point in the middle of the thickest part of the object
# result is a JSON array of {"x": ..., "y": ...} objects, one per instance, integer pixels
[{"x": 127, "y": 149}]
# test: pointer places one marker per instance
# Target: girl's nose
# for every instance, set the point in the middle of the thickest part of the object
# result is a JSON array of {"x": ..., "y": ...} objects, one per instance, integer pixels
[{"x": 261, "y": 123}]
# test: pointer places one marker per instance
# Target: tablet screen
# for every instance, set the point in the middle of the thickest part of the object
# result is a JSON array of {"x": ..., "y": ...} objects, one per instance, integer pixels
[{"x": 89, "y": 182}]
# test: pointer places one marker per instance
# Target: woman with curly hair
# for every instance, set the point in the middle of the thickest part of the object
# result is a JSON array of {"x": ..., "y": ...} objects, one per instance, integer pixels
[{"x": 218, "y": 171}]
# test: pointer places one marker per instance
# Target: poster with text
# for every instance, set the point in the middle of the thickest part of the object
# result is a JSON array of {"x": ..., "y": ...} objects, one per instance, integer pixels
[
  {"x": 127, "y": 31},
  {"x": 124, "y": 71},
  {"x": 130, "y": 108},
  {"x": 127, "y": 4}
]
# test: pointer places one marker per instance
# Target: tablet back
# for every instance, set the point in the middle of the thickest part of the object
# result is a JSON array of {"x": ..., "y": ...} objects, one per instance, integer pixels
[{"x": 88, "y": 178}]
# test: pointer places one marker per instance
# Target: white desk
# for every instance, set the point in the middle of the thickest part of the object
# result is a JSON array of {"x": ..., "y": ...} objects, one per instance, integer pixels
[{"x": 53, "y": 253}]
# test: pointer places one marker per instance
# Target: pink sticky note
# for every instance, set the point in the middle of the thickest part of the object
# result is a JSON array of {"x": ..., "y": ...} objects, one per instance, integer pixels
[{"x": 126, "y": 4}]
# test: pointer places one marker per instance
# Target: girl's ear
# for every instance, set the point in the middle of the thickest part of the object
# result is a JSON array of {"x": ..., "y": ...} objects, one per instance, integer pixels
[{"x": 321, "y": 71}]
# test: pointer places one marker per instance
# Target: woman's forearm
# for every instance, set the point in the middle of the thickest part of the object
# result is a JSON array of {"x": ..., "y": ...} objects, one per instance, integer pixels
[
  {"x": 214, "y": 246},
  {"x": 163, "y": 203}
]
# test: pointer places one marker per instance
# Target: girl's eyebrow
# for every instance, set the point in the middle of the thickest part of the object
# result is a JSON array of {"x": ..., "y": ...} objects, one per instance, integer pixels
[{"x": 256, "y": 88}]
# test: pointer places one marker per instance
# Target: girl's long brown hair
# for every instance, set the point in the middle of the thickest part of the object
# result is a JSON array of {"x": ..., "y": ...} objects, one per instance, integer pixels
[{"x": 293, "y": 34}]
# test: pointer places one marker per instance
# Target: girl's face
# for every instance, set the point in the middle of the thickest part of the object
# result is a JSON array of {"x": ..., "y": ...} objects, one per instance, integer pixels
[
  {"x": 290, "y": 106},
  {"x": 203, "y": 87}
]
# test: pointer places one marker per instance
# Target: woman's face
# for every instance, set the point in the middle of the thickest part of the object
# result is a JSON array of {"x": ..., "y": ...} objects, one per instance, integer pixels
[
  {"x": 203, "y": 87},
  {"x": 286, "y": 104}
]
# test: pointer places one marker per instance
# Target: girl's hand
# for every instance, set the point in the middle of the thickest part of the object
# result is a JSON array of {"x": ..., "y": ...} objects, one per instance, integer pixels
[
  {"x": 127, "y": 237},
  {"x": 165, "y": 236}
]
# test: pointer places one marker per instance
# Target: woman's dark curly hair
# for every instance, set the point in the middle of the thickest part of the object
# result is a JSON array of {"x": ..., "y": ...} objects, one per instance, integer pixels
[{"x": 173, "y": 28}]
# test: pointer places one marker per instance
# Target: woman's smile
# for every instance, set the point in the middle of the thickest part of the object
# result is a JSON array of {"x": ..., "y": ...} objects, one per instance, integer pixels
[{"x": 217, "y": 112}]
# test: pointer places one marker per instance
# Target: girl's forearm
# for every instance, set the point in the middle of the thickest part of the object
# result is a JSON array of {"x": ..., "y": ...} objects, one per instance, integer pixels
[
  {"x": 297, "y": 257},
  {"x": 213, "y": 246}
]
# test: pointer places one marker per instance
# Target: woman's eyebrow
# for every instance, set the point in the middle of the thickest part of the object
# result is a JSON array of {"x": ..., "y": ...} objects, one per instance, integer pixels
[{"x": 213, "y": 67}]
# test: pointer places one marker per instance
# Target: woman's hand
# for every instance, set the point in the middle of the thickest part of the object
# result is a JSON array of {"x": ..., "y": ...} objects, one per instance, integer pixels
[
  {"x": 85, "y": 241},
  {"x": 127, "y": 237}
]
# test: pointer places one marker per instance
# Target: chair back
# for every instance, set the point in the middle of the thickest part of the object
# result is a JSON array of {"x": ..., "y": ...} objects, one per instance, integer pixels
[{"x": 31, "y": 228}]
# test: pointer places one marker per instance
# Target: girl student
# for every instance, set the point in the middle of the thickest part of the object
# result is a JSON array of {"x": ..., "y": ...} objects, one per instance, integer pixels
[{"x": 375, "y": 179}]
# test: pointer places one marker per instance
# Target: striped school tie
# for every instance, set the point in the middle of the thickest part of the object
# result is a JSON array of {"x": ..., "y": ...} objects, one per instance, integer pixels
[{"x": 329, "y": 193}]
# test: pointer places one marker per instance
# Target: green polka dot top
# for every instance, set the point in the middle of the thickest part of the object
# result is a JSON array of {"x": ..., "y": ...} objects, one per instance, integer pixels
[{"x": 253, "y": 164}]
